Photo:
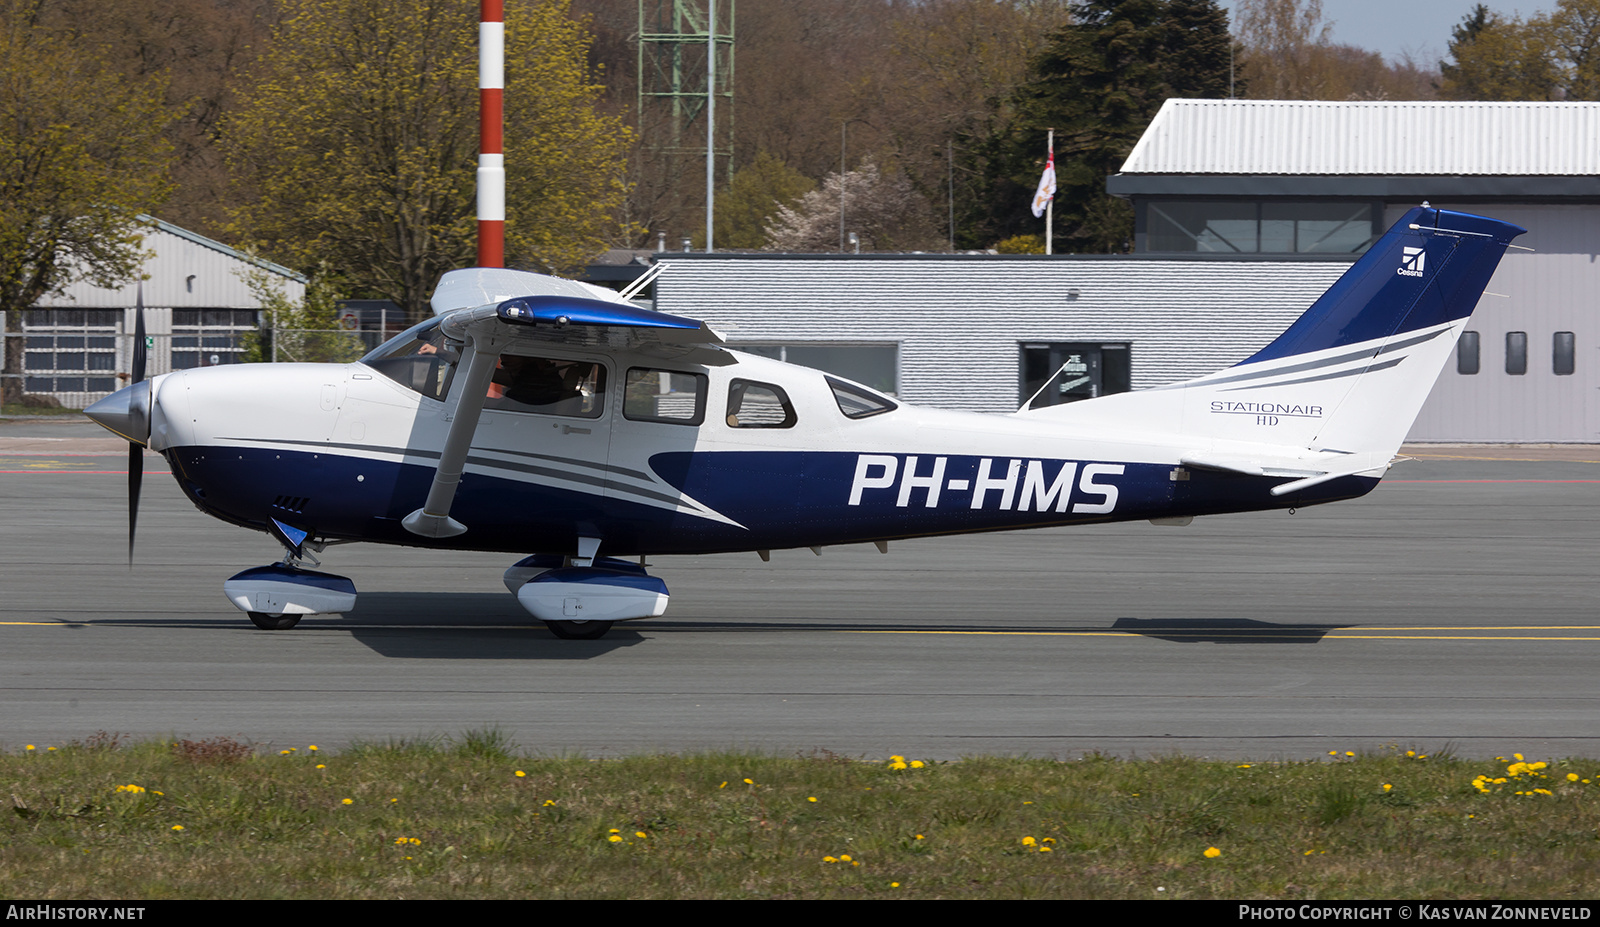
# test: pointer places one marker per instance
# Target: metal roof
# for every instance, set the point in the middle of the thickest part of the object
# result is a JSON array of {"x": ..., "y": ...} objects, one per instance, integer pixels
[{"x": 1256, "y": 137}]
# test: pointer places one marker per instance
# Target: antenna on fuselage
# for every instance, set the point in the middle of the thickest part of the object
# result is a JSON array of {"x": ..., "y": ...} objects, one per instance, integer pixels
[{"x": 644, "y": 279}]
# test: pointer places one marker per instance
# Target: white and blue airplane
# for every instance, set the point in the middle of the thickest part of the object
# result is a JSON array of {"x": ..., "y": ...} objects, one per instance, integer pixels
[{"x": 536, "y": 416}]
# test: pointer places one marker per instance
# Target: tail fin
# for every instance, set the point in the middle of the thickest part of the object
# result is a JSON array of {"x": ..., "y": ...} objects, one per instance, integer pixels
[{"x": 1351, "y": 374}]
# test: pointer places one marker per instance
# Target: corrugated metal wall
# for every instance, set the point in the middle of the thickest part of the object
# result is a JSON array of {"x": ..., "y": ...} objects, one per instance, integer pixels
[
  {"x": 1378, "y": 138},
  {"x": 959, "y": 320},
  {"x": 183, "y": 274}
]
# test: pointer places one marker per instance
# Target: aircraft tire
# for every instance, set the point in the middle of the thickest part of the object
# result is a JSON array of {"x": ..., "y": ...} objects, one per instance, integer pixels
[
  {"x": 268, "y": 622},
  {"x": 578, "y": 630}
]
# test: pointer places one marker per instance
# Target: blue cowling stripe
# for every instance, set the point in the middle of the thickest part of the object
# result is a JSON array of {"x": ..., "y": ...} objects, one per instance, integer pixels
[{"x": 1382, "y": 293}]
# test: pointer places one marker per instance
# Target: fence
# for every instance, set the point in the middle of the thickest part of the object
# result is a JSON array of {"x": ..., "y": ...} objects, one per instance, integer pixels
[{"x": 79, "y": 356}]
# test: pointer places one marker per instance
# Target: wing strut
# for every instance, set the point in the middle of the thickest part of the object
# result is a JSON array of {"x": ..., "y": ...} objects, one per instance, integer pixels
[{"x": 433, "y": 519}]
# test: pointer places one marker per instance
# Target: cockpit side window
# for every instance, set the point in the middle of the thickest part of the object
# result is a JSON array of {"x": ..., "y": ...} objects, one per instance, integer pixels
[
  {"x": 419, "y": 359},
  {"x": 759, "y": 405},
  {"x": 548, "y": 386},
  {"x": 857, "y": 401}
]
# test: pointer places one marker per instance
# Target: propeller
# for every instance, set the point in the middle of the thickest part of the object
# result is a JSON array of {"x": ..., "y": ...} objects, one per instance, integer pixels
[{"x": 136, "y": 450}]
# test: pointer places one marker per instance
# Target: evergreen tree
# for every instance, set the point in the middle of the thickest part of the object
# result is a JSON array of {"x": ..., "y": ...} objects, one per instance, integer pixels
[{"x": 1098, "y": 83}]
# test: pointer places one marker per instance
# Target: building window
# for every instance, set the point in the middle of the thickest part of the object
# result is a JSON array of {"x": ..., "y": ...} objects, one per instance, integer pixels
[
  {"x": 873, "y": 365},
  {"x": 1564, "y": 351},
  {"x": 1069, "y": 371},
  {"x": 1516, "y": 353},
  {"x": 1467, "y": 354},
  {"x": 71, "y": 351},
  {"x": 1260, "y": 227},
  {"x": 209, "y": 337}
]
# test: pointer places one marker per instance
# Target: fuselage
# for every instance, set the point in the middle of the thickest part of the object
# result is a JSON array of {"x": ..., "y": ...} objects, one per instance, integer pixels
[{"x": 658, "y": 455}]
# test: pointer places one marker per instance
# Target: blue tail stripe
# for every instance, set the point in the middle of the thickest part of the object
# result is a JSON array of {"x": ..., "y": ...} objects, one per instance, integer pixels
[{"x": 1410, "y": 279}]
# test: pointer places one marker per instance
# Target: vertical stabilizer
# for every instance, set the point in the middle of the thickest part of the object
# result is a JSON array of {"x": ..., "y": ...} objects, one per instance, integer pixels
[{"x": 1351, "y": 374}]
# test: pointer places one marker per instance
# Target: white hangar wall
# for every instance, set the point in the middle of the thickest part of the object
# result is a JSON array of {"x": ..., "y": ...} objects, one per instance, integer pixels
[{"x": 959, "y": 320}]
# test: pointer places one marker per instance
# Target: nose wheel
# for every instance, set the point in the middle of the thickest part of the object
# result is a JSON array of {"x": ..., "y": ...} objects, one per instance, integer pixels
[{"x": 578, "y": 630}]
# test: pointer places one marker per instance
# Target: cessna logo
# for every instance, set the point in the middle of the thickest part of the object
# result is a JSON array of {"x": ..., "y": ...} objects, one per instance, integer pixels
[
  {"x": 1013, "y": 485},
  {"x": 1411, "y": 262}
]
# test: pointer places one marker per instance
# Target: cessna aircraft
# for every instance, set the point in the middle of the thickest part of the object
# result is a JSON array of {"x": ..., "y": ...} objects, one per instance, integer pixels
[{"x": 538, "y": 416}]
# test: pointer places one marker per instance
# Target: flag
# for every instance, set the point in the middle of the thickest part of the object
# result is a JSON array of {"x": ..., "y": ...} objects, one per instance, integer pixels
[{"x": 1047, "y": 187}]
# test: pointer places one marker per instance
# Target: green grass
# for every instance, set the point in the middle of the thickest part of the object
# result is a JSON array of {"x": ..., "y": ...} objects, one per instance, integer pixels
[{"x": 452, "y": 818}]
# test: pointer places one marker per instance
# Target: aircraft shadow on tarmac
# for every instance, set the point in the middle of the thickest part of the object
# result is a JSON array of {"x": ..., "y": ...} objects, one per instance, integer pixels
[
  {"x": 488, "y": 626},
  {"x": 1225, "y": 630}
]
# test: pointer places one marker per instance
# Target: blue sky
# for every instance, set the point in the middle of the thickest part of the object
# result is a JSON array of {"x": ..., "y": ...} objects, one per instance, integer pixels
[{"x": 1420, "y": 27}]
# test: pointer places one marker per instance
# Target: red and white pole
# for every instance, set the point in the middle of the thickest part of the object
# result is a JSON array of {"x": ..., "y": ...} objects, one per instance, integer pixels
[{"x": 491, "y": 150}]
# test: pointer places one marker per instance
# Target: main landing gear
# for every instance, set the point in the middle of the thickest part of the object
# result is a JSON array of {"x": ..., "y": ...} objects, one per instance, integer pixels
[{"x": 580, "y": 598}]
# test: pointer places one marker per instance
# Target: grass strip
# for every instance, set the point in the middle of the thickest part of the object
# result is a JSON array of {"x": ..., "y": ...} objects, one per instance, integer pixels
[{"x": 469, "y": 817}]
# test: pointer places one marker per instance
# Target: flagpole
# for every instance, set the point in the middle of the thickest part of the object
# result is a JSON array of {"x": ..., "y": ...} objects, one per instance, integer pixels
[{"x": 1050, "y": 207}]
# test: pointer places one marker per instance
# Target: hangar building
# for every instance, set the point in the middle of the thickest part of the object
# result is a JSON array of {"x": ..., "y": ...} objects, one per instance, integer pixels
[
  {"x": 1245, "y": 211},
  {"x": 197, "y": 304}
]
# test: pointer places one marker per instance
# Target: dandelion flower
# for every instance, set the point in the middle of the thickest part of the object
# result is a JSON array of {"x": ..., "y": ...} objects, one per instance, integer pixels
[
  {"x": 521, "y": 774},
  {"x": 177, "y": 827},
  {"x": 1572, "y": 777},
  {"x": 614, "y": 838},
  {"x": 814, "y": 798},
  {"x": 1387, "y": 786},
  {"x": 349, "y": 801},
  {"x": 917, "y": 764},
  {"x": 749, "y": 782},
  {"x": 30, "y": 746},
  {"x": 829, "y": 859},
  {"x": 322, "y": 765},
  {"x": 1212, "y": 853},
  {"x": 641, "y": 835}
]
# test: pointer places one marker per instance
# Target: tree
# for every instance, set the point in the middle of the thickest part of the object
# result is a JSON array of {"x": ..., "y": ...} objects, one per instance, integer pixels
[
  {"x": 1499, "y": 59},
  {"x": 1098, "y": 83},
  {"x": 752, "y": 198},
  {"x": 882, "y": 209},
  {"x": 82, "y": 155},
  {"x": 359, "y": 139},
  {"x": 299, "y": 332}
]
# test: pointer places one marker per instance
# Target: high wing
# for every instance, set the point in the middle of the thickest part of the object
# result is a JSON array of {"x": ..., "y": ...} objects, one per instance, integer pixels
[{"x": 550, "y": 310}]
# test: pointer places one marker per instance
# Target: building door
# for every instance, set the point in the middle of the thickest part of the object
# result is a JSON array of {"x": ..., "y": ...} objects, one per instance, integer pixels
[{"x": 1069, "y": 371}]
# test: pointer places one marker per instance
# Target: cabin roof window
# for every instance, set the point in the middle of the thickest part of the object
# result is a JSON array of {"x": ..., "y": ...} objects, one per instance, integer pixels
[{"x": 857, "y": 401}]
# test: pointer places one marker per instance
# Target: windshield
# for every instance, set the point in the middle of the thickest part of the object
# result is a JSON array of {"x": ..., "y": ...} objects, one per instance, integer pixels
[{"x": 419, "y": 358}]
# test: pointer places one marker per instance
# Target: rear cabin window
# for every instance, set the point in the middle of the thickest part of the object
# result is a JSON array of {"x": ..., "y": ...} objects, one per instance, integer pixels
[
  {"x": 759, "y": 405},
  {"x": 547, "y": 386},
  {"x": 664, "y": 396},
  {"x": 858, "y": 401}
]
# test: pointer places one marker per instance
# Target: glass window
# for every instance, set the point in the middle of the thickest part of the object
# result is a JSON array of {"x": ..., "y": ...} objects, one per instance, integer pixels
[
  {"x": 1203, "y": 226},
  {"x": 1565, "y": 349},
  {"x": 1467, "y": 354},
  {"x": 664, "y": 396},
  {"x": 758, "y": 405},
  {"x": 1516, "y": 353},
  {"x": 547, "y": 386},
  {"x": 419, "y": 359},
  {"x": 858, "y": 401},
  {"x": 1259, "y": 227},
  {"x": 873, "y": 365}
]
